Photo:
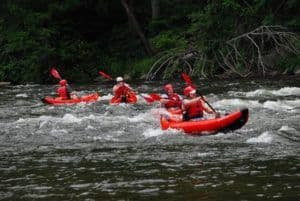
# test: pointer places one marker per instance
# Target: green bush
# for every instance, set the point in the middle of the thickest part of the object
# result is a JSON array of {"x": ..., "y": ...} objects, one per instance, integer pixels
[
  {"x": 141, "y": 67},
  {"x": 168, "y": 40}
]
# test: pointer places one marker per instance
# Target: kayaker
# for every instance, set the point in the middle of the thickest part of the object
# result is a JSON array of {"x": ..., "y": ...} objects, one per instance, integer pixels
[
  {"x": 192, "y": 106},
  {"x": 121, "y": 89},
  {"x": 63, "y": 91},
  {"x": 170, "y": 99}
]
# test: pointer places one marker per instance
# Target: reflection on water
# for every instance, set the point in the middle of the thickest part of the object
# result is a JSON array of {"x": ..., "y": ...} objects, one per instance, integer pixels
[{"x": 101, "y": 152}]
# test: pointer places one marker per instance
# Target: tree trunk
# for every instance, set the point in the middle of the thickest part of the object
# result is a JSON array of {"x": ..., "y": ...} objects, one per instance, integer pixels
[
  {"x": 155, "y": 9},
  {"x": 137, "y": 27}
]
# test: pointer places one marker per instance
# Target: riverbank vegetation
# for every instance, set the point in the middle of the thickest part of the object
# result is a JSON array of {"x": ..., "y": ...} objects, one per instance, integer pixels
[{"x": 152, "y": 39}]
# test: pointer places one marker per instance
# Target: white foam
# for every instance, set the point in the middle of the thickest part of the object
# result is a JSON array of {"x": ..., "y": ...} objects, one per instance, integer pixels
[
  {"x": 150, "y": 132},
  {"x": 140, "y": 117},
  {"x": 89, "y": 127},
  {"x": 277, "y": 105},
  {"x": 41, "y": 118},
  {"x": 24, "y": 95},
  {"x": 237, "y": 102},
  {"x": 204, "y": 154},
  {"x": 295, "y": 103},
  {"x": 26, "y": 85},
  {"x": 21, "y": 120},
  {"x": 43, "y": 123},
  {"x": 106, "y": 137},
  {"x": 286, "y": 128},
  {"x": 58, "y": 132},
  {"x": 285, "y": 91},
  {"x": 106, "y": 97},
  {"x": 265, "y": 137},
  {"x": 69, "y": 118}
]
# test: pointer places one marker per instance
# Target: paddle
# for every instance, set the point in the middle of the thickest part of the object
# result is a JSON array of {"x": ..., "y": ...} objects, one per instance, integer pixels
[
  {"x": 105, "y": 75},
  {"x": 150, "y": 98},
  {"x": 188, "y": 81},
  {"x": 55, "y": 74}
]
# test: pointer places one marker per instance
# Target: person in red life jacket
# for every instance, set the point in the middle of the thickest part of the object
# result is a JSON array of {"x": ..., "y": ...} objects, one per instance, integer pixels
[
  {"x": 193, "y": 107},
  {"x": 121, "y": 89},
  {"x": 170, "y": 100},
  {"x": 63, "y": 91}
]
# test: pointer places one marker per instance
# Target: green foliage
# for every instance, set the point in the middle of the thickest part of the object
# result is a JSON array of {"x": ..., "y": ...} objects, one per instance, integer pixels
[
  {"x": 168, "y": 40},
  {"x": 157, "y": 25},
  {"x": 113, "y": 66},
  {"x": 268, "y": 20},
  {"x": 141, "y": 66},
  {"x": 290, "y": 63},
  {"x": 81, "y": 37}
]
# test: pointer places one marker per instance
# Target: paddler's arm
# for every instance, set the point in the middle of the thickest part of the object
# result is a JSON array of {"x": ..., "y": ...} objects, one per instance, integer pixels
[{"x": 208, "y": 109}]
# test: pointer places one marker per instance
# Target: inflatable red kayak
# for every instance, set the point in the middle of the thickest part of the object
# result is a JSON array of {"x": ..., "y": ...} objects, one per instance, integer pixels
[
  {"x": 232, "y": 121},
  {"x": 58, "y": 101}
]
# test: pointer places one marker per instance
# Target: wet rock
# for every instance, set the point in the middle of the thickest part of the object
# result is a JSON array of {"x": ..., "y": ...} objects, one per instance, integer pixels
[
  {"x": 273, "y": 73},
  {"x": 4, "y": 83},
  {"x": 288, "y": 72},
  {"x": 297, "y": 71}
]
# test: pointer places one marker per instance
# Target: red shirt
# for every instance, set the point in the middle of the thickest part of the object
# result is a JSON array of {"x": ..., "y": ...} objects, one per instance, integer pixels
[
  {"x": 175, "y": 101},
  {"x": 63, "y": 92}
]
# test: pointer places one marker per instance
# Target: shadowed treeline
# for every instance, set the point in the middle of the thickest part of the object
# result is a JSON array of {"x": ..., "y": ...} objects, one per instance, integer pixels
[{"x": 147, "y": 39}]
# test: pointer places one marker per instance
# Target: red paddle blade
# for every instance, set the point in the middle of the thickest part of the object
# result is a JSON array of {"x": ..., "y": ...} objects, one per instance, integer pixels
[
  {"x": 105, "y": 75},
  {"x": 187, "y": 80},
  {"x": 155, "y": 96},
  {"x": 55, "y": 74},
  {"x": 149, "y": 99}
]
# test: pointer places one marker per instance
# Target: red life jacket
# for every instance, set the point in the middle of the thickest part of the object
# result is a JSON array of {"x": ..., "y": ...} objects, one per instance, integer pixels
[
  {"x": 63, "y": 92},
  {"x": 194, "y": 111},
  {"x": 175, "y": 101},
  {"x": 124, "y": 93}
]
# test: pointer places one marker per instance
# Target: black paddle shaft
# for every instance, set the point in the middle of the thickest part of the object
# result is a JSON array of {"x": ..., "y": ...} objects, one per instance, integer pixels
[{"x": 208, "y": 104}]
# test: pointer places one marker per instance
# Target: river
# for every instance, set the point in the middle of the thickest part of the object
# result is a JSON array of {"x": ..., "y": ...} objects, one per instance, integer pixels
[{"x": 100, "y": 152}]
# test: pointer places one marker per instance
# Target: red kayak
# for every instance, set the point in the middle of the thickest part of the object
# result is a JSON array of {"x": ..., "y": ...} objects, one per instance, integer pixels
[
  {"x": 83, "y": 99},
  {"x": 128, "y": 98},
  {"x": 174, "y": 110},
  {"x": 232, "y": 121},
  {"x": 124, "y": 95}
]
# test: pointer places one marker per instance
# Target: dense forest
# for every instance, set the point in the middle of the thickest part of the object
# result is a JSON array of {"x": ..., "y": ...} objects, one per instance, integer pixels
[{"x": 150, "y": 39}]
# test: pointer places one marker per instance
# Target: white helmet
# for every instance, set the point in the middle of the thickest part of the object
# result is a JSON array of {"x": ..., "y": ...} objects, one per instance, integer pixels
[{"x": 119, "y": 79}]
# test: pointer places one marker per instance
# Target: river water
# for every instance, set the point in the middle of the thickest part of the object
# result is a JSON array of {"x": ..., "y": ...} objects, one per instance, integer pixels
[{"x": 101, "y": 152}]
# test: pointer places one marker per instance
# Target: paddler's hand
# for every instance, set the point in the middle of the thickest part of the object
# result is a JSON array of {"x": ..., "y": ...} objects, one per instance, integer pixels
[{"x": 217, "y": 115}]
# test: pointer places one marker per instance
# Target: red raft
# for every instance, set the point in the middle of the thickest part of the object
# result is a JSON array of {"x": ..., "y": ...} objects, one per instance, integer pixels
[
  {"x": 124, "y": 95},
  {"x": 58, "y": 101},
  {"x": 232, "y": 121}
]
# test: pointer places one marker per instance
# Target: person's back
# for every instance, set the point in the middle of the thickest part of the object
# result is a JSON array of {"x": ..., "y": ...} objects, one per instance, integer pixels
[{"x": 63, "y": 91}]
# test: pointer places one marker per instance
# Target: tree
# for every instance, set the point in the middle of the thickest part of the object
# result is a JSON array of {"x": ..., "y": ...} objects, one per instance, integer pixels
[
  {"x": 155, "y": 9},
  {"x": 137, "y": 27}
]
